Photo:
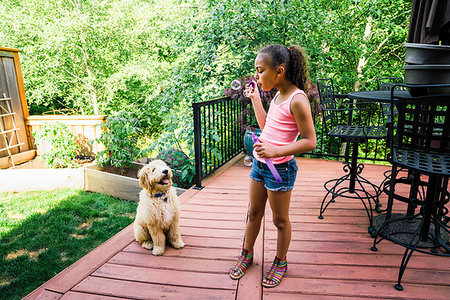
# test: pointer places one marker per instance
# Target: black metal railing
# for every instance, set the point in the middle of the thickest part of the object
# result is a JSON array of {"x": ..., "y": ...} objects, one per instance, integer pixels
[{"x": 218, "y": 136}]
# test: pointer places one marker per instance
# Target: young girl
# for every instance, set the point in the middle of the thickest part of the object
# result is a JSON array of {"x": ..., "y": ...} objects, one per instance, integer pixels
[{"x": 289, "y": 115}]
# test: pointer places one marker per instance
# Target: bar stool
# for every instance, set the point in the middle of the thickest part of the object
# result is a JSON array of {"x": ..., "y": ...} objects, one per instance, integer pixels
[
  {"x": 351, "y": 185},
  {"x": 420, "y": 143}
]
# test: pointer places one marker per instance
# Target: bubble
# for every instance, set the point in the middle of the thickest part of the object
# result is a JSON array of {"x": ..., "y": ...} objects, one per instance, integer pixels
[
  {"x": 207, "y": 68},
  {"x": 236, "y": 85},
  {"x": 248, "y": 161}
]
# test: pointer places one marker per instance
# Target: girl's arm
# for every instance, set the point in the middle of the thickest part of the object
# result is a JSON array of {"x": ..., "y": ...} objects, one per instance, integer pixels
[
  {"x": 260, "y": 113},
  {"x": 301, "y": 111}
]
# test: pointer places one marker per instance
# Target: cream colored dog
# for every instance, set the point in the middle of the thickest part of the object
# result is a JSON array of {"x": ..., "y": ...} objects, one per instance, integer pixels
[{"x": 158, "y": 212}]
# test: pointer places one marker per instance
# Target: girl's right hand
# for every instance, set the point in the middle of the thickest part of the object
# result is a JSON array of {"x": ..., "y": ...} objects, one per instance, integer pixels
[{"x": 252, "y": 91}]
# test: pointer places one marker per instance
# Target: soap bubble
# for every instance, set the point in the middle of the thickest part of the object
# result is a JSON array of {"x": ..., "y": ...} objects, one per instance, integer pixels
[
  {"x": 248, "y": 161},
  {"x": 236, "y": 85}
]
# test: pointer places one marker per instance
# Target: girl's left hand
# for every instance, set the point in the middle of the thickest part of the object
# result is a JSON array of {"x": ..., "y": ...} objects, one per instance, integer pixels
[{"x": 265, "y": 150}]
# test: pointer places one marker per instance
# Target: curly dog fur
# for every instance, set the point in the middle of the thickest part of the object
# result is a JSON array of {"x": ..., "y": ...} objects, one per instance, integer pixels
[{"x": 158, "y": 212}]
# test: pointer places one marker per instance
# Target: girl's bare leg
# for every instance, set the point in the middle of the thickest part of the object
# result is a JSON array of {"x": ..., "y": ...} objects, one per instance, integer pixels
[
  {"x": 279, "y": 202},
  {"x": 258, "y": 199}
]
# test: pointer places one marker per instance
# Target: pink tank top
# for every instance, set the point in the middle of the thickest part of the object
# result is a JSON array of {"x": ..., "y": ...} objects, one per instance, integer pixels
[{"x": 280, "y": 128}]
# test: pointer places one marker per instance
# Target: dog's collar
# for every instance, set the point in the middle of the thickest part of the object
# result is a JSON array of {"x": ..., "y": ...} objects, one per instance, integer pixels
[{"x": 161, "y": 195}]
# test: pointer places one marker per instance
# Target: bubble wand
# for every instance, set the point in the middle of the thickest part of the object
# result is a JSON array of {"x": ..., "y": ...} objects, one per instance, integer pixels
[
  {"x": 268, "y": 162},
  {"x": 236, "y": 85}
]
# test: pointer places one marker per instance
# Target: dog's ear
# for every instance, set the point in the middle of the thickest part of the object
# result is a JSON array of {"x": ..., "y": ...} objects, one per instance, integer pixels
[{"x": 143, "y": 178}]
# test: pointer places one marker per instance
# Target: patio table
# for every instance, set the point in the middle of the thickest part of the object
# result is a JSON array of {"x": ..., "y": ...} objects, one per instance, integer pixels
[{"x": 377, "y": 96}]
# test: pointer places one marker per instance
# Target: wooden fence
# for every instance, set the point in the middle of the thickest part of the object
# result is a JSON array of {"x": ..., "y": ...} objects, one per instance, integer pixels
[{"x": 85, "y": 128}]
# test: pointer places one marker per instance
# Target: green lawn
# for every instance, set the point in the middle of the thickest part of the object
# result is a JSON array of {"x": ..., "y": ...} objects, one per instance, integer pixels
[{"x": 42, "y": 232}]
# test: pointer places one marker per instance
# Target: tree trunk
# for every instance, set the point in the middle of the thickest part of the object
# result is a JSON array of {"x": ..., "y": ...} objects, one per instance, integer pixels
[
  {"x": 92, "y": 91},
  {"x": 362, "y": 58}
]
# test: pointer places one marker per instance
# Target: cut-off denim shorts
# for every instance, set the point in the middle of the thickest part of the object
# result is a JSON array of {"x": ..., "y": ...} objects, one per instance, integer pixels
[{"x": 288, "y": 172}]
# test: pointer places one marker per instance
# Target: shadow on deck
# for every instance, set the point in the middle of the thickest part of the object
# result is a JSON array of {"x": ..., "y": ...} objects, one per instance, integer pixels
[{"x": 328, "y": 259}]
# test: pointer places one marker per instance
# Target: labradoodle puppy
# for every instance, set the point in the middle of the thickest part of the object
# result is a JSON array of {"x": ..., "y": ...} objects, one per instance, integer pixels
[{"x": 158, "y": 211}]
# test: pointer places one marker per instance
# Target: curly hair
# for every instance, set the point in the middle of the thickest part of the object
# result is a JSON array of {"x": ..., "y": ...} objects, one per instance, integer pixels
[{"x": 295, "y": 61}]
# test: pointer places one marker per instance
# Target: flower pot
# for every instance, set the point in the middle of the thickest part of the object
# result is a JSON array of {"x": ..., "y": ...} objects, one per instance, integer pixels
[
  {"x": 424, "y": 54},
  {"x": 248, "y": 142},
  {"x": 427, "y": 74}
]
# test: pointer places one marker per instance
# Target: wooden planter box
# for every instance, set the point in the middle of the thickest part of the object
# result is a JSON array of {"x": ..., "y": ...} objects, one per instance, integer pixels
[{"x": 97, "y": 180}]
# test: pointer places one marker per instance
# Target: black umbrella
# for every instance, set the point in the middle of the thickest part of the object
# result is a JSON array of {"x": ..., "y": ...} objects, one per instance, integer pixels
[{"x": 430, "y": 22}]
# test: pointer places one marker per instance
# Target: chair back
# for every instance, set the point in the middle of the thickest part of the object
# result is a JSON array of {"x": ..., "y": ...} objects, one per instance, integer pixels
[
  {"x": 327, "y": 100},
  {"x": 423, "y": 122},
  {"x": 386, "y": 83}
]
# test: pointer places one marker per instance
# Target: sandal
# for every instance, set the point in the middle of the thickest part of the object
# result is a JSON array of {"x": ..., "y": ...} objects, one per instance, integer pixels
[
  {"x": 245, "y": 260},
  {"x": 275, "y": 274}
]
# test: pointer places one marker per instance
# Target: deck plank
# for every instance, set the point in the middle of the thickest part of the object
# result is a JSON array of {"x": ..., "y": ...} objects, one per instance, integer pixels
[
  {"x": 328, "y": 258},
  {"x": 141, "y": 290},
  {"x": 202, "y": 278}
]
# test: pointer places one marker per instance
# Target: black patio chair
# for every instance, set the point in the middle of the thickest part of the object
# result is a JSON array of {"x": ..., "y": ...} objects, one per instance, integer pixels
[
  {"x": 339, "y": 123},
  {"x": 409, "y": 177},
  {"x": 385, "y": 84},
  {"x": 420, "y": 143}
]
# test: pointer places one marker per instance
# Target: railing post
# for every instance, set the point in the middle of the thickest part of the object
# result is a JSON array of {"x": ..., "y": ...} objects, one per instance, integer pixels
[{"x": 197, "y": 146}]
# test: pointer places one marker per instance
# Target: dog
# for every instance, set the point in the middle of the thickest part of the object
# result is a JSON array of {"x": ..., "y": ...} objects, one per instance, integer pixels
[{"x": 158, "y": 211}]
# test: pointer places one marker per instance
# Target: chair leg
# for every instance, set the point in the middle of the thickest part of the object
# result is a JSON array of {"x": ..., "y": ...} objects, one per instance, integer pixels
[
  {"x": 353, "y": 186},
  {"x": 388, "y": 209},
  {"x": 331, "y": 191},
  {"x": 410, "y": 248}
]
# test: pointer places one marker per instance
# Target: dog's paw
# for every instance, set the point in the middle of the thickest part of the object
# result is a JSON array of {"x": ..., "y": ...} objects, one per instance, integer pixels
[
  {"x": 158, "y": 250},
  {"x": 178, "y": 244},
  {"x": 147, "y": 245}
]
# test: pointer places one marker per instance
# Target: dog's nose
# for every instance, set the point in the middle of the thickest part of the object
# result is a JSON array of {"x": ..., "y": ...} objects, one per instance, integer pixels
[{"x": 165, "y": 171}]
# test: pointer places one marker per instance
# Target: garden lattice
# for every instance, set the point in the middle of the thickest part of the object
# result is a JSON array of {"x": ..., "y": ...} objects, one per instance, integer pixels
[{"x": 7, "y": 117}]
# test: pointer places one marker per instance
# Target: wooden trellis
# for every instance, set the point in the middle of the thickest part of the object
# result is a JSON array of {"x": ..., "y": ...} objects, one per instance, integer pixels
[
  {"x": 11, "y": 138},
  {"x": 15, "y": 143}
]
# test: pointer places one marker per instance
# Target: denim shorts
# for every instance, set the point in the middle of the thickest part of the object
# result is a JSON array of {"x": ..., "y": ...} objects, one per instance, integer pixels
[{"x": 288, "y": 172}]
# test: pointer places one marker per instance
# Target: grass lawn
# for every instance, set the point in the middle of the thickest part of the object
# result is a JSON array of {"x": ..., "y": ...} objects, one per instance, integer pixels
[{"x": 42, "y": 233}]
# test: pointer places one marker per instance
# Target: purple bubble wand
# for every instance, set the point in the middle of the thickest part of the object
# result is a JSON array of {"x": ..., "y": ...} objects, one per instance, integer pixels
[{"x": 268, "y": 162}]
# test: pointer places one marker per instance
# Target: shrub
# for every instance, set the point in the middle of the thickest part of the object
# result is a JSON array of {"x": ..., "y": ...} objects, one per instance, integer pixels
[
  {"x": 119, "y": 138},
  {"x": 61, "y": 145}
]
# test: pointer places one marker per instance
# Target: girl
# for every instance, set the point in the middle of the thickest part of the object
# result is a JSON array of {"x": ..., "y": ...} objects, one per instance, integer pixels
[{"x": 289, "y": 115}]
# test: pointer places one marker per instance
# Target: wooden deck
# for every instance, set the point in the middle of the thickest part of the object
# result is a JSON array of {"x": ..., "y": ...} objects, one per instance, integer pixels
[{"x": 328, "y": 259}]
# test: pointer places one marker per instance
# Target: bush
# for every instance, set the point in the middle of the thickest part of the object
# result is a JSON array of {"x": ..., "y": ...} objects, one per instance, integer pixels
[
  {"x": 119, "y": 138},
  {"x": 61, "y": 145}
]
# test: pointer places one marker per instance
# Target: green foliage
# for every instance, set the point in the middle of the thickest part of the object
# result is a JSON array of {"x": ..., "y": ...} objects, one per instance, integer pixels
[
  {"x": 119, "y": 137},
  {"x": 60, "y": 143},
  {"x": 154, "y": 58},
  {"x": 174, "y": 146},
  {"x": 42, "y": 233}
]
